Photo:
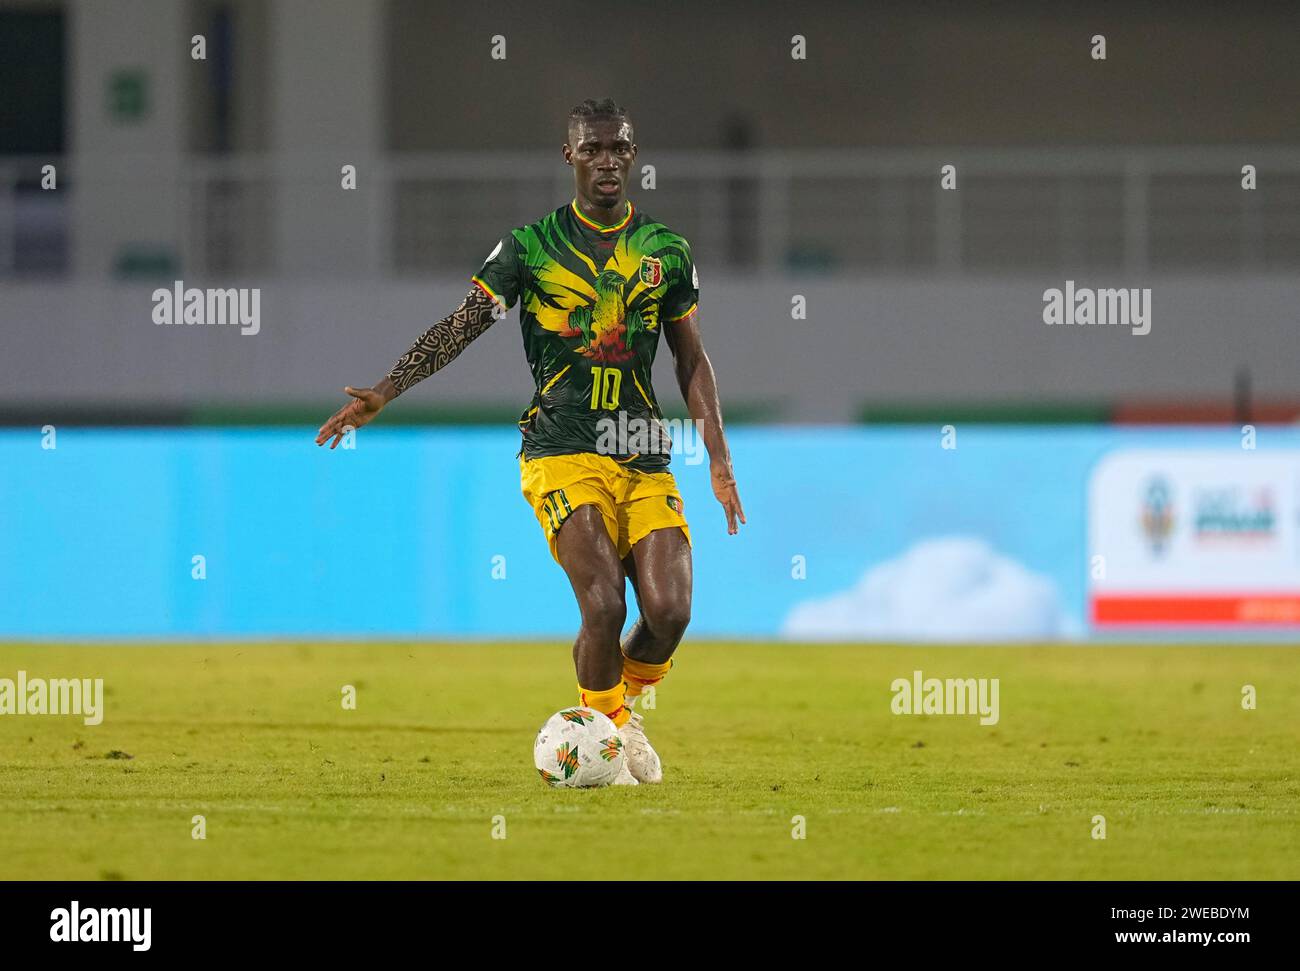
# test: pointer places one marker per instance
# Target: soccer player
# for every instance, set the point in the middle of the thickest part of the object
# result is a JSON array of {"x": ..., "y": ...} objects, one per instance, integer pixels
[{"x": 597, "y": 280}]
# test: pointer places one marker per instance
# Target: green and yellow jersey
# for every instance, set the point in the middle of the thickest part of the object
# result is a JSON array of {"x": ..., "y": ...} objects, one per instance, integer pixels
[{"x": 592, "y": 300}]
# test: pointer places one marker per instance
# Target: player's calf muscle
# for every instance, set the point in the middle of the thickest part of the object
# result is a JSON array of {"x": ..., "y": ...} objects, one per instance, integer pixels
[
  {"x": 596, "y": 655},
  {"x": 591, "y": 562},
  {"x": 661, "y": 571},
  {"x": 644, "y": 644},
  {"x": 660, "y": 628}
]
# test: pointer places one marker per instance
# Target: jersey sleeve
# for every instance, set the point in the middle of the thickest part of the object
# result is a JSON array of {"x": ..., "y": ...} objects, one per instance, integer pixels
[
  {"x": 684, "y": 291},
  {"x": 500, "y": 276}
]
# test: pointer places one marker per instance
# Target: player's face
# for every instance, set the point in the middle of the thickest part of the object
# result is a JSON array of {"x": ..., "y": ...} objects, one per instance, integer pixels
[{"x": 601, "y": 152}]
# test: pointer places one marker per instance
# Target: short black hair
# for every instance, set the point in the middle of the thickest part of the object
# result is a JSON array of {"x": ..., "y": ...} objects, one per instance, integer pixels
[{"x": 591, "y": 110}]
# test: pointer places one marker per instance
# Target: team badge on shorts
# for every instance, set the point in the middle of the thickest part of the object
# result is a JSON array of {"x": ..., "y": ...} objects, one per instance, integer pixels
[
  {"x": 674, "y": 504},
  {"x": 652, "y": 271}
]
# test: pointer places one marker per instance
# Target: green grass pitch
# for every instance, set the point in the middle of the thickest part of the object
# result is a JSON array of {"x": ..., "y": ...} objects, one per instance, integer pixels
[{"x": 254, "y": 738}]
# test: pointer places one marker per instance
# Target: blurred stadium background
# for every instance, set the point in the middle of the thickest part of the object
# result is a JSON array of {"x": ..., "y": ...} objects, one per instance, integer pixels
[{"x": 1099, "y": 482}]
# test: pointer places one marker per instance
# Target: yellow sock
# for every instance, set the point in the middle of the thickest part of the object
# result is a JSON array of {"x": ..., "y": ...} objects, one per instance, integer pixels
[
  {"x": 638, "y": 675},
  {"x": 608, "y": 702}
]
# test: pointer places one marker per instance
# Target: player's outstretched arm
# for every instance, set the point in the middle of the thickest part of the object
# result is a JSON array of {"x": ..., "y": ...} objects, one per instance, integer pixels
[
  {"x": 434, "y": 349},
  {"x": 700, "y": 391}
]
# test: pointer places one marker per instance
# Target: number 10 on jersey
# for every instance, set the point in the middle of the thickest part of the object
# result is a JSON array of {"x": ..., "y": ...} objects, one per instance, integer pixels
[{"x": 605, "y": 385}]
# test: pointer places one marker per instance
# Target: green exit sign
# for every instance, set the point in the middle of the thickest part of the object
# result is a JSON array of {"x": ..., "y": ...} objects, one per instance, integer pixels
[{"x": 128, "y": 94}]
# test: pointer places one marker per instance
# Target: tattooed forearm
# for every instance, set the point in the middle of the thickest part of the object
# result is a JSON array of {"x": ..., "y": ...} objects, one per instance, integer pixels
[{"x": 438, "y": 346}]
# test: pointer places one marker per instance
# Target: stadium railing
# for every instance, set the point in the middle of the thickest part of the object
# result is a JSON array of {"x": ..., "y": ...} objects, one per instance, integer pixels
[{"x": 818, "y": 211}]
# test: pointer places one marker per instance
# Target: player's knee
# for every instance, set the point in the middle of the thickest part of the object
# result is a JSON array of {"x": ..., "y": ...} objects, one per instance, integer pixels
[
  {"x": 667, "y": 619},
  {"x": 604, "y": 609}
]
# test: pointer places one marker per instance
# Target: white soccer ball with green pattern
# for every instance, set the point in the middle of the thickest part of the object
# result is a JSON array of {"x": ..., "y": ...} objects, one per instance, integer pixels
[{"x": 578, "y": 748}]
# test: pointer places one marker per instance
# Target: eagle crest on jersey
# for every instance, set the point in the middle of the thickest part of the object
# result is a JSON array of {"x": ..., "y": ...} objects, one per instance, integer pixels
[
  {"x": 592, "y": 300},
  {"x": 604, "y": 306},
  {"x": 605, "y": 327}
]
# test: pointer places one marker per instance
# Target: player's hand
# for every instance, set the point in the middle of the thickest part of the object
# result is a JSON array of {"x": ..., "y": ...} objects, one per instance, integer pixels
[
  {"x": 724, "y": 488},
  {"x": 366, "y": 403}
]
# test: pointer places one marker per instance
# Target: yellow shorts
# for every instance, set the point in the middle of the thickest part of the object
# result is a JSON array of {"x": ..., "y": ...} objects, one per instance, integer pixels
[{"x": 633, "y": 504}]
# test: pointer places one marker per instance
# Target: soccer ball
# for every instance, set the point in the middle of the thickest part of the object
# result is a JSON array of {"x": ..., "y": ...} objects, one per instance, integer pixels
[{"x": 578, "y": 748}]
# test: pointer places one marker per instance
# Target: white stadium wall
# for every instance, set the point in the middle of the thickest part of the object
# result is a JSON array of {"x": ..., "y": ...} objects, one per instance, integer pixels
[{"x": 888, "y": 339}]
